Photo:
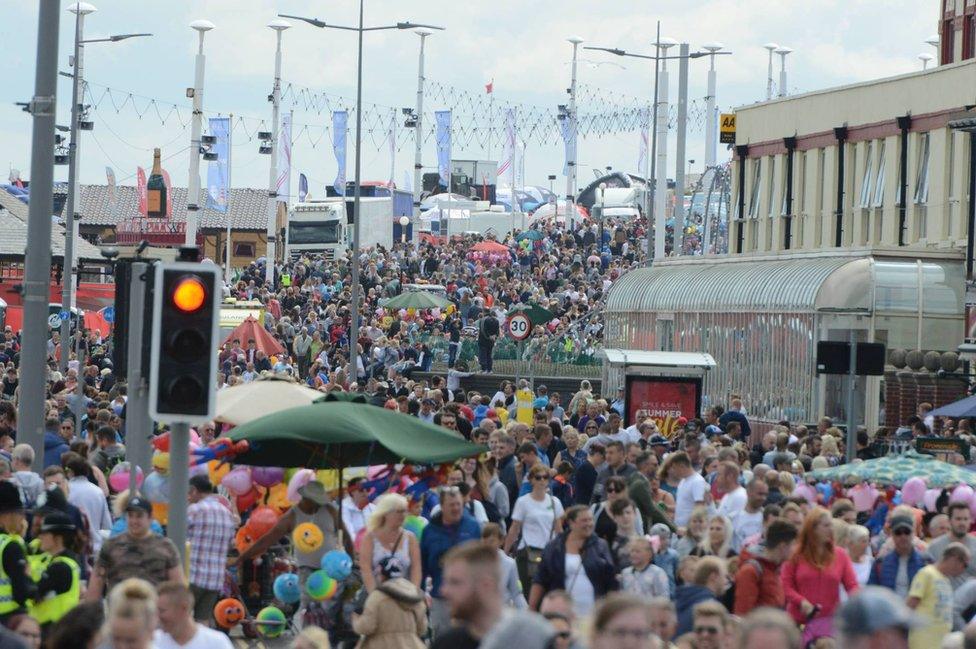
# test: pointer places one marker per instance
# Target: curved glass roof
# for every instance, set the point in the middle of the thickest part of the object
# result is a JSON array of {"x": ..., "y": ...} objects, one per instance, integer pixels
[{"x": 802, "y": 284}]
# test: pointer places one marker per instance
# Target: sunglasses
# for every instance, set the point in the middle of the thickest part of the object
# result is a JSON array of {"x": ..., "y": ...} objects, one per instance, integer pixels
[
  {"x": 902, "y": 532},
  {"x": 540, "y": 477},
  {"x": 710, "y": 630},
  {"x": 613, "y": 490}
]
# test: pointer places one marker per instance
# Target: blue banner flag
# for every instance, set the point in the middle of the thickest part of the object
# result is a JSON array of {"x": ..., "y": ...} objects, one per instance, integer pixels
[
  {"x": 340, "y": 119},
  {"x": 302, "y": 188},
  {"x": 443, "y": 118},
  {"x": 568, "y": 132},
  {"x": 218, "y": 171}
]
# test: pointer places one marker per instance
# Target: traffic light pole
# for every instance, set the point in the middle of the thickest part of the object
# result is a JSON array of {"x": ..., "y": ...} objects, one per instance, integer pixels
[
  {"x": 138, "y": 425},
  {"x": 179, "y": 485}
]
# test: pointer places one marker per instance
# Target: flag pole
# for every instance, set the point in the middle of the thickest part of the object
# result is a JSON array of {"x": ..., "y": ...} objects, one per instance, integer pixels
[{"x": 230, "y": 148}]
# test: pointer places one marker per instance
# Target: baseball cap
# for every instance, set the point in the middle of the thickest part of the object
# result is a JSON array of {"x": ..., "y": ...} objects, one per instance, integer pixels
[
  {"x": 901, "y": 521},
  {"x": 872, "y": 609},
  {"x": 659, "y": 440},
  {"x": 138, "y": 504}
]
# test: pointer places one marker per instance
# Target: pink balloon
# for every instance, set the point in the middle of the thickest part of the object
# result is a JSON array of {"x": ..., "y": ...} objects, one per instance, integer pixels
[
  {"x": 962, "y": 493},
  {"x": 913, "y": 491},
  {"x": 972, "y": 506},
  {"x": 301, "y": 478},
  {"x": 194, "y": 437},
  {"x": 931, "y": 495},
  {"x": 238, "y": 481},
  {"x": 807, "y": 492},
  {"x": 864, "y": 496},
  {"x": 118, "y": 479}
]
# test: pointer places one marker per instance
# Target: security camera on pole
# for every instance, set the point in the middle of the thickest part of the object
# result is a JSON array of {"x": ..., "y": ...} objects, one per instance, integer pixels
[
  {"x": 278, "y": 25},
  {"x": 196, "y": 125}
]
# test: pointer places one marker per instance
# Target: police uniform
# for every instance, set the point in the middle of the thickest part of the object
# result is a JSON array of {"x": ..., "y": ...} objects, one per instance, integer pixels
[
  {"x": 59, "y": 581},
  {"x": 15, "y": 587}
]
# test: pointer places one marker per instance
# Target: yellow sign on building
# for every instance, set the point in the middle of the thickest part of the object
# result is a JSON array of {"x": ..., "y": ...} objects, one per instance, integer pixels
[{"x": 727, "y": 128}]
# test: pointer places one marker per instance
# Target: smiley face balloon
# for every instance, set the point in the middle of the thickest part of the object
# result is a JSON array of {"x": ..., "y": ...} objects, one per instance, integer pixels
[
  {"x": 228, "y": 613},
  {"x": 307, "y": 537}
]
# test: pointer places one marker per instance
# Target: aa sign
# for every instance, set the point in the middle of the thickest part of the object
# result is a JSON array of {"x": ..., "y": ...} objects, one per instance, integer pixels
[
  {"x": 727, "y": 128},
  {"x": 664, "y": 400}
]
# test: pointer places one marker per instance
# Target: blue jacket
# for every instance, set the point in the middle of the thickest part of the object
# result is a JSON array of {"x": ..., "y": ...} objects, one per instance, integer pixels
[
  {"x": 884, "y": 571},
  {"x": 736, "y": 416},
  {"x": 685, "y": 598},
  {"x": 598, "y": 565},
  {"x": 54, "y": 446},
  {"x": 437, "y": 539}
]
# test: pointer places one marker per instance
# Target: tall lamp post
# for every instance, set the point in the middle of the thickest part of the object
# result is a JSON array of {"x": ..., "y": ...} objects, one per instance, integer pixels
[
  {"x": 571, "y": 164},
  {"x": 771, "y": 48},
  {"x": 935, "y": 42},
  {"x": 279, "y": 26},
  {"x": 196, "y": 125},
  {"x": 711, "y": 117},
  {"x": 69, "y": 267},
  {"x": 418, "y": 141},
  {"x": 356, "y": 289},
  {"x": 925, "y": 58},
  {"x": 783, "y": 52},
  {"x": 655, "y": 215}
]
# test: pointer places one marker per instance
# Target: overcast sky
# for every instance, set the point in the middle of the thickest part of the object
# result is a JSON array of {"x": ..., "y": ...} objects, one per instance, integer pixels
[{"x": 519, "y": 43}]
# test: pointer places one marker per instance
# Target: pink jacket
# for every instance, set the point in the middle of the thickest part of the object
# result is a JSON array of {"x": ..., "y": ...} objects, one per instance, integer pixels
[{"x": 818, "y": 586}]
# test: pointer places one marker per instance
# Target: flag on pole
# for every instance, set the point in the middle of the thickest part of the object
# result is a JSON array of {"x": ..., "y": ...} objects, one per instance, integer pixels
[
  {"x": 218, "y": 172},
  {"x": 443, "y": 119},
  {"x": 113, "y": 190},
  {"x": 142, "y": 191},
  {"x": 302, "y": 188},
  {"x": 490, "y": 87},
  {"x": 340, "y": 120},
  {"x": 283, "y": 188},
  {"x": 645, "y": 126}
]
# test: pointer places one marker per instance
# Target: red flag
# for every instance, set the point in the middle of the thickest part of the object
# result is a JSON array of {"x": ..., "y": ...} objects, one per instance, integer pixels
[
  {"x": 142, "y": 191},
  {"x": 169, "y": 193},
  {"x": 490, "y": 86}
]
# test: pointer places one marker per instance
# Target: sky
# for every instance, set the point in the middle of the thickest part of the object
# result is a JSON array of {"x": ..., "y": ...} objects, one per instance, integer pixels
[{"x": 520, "y": 44}]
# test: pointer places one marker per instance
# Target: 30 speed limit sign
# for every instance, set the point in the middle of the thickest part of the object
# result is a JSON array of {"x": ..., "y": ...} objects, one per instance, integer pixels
[{"x": 519, "y": 326}]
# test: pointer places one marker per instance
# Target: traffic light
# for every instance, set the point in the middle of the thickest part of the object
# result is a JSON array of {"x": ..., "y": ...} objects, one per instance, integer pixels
[{"x": 183, "y": 362}]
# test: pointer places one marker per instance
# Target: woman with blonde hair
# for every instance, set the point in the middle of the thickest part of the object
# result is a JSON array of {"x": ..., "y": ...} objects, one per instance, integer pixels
[
  {"x": 695, "y": 533},
  {"x": 386, "y": 547},
  {"x": 813, "y": 576},
  {"x": 717, "y": 541},
  {"x": 311, "y": 637},
  {"x": 858, "y": 547},
  {"x": 131, "y": 618},
  {"x": 830, "y": 450}
]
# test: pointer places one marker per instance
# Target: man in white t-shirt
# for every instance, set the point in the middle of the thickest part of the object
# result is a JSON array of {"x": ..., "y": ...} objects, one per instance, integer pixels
[
  {"x": 749, "y": 521},
  {"x": 179, "y": 629},
  {"x": 727, "y": 480},
  {"x": 692, "y": 490}
]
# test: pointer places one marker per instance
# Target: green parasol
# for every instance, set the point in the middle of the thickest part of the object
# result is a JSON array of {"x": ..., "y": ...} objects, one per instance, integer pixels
[
  {"x": 417, "y": 300},
  {"x": 537, "y": 315},
  {"x": 531, "y": 235},
  {"x": 341, "y": 431},
  {"x": 896, "y": 469}
]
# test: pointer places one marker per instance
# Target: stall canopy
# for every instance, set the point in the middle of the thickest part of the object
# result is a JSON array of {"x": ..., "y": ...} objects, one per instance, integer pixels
[{"x": 252, "y": 329}]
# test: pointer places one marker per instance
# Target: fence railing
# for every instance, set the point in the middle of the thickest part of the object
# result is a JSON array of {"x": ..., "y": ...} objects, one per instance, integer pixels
[{"x": 556, "y": 352}]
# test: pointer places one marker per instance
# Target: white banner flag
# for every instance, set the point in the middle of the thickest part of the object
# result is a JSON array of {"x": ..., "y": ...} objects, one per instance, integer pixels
[{"x": 284, "y": 160}]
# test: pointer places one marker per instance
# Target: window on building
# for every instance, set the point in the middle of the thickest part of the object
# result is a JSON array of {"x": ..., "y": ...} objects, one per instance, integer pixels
[
  {"x": 968, "y": 32},
  {"x": 950, "y": 227},
  {"x": 921, "y": 196},
  {"x": 866, "y": 178},
  {"x": 802, "y": 188},
  {"x": 244, "y": 249},
  {"x": 756, "y": 178},
  {"x": 879, "y": 183},
  {"x": 772, "y": 186}
]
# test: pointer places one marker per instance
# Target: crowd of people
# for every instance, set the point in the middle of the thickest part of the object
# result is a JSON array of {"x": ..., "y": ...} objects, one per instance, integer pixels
[{"x": 574, "y": 529}]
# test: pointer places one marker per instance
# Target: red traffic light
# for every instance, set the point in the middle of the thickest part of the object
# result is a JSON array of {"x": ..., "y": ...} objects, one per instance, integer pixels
[{"x": 189, "y": 294}]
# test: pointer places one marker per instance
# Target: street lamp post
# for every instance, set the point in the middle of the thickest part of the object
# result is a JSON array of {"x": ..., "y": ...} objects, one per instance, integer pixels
[
  {"x": 711, "y": 116},
  {"x": 279, "y": 26},
  {"x": 571, "y": 164},
  {"x": 196, "y": 125},
  {"x": 69, "y": 267},
  {"x": 934, "y": 41},
  {"x": 661, "y": 178},
  {"x": 925, "y": 58},
  {"x": 418, "y": 141},
  {"x": 356, "y": 289},
  {"x": 783, "y": 52},
  {"x": 771, "y": 48}
]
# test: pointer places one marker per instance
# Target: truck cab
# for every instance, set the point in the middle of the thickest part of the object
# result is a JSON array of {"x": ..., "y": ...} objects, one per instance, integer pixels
[{"x": 317, "y": 227}]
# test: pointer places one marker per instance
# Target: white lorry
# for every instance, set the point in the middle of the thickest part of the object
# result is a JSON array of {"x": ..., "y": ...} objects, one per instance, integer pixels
[
  {"x": 325, "y": 227},
  {"x": 498, "y": 224}
]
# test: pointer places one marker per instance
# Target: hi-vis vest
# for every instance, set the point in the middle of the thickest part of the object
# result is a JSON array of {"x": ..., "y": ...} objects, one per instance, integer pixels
[
  {"x": 54, "y": 608},
  {"x": 285, "y": 279},
  {"x": 7, "y": 603}
]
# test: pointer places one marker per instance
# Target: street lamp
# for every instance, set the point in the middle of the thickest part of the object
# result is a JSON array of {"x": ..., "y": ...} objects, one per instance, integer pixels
[
  {"x": 196, "y": 125},
  {"x": 355, "y": 289},
  {"x": 711, "y": 117},
  {"x": 925, "y": 58},
  {"x": 783, "y": 51},
  {"x": 572, "y": 162},
  {"x": 771, "y": 48},
  {"x": 279, "y": 26},
  {"x": 934, "y": 41},
  {"x": 418, "y": 140},
  {"x": 404, "y": 222},
  {"x": 69, "y": 269}
]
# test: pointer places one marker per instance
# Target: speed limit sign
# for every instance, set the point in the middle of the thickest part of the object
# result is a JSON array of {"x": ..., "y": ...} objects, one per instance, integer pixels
[{"x": 519, "y": 326}]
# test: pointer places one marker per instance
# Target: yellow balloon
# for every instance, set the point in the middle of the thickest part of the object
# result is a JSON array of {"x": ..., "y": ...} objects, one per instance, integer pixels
[
  {"x": 307, "y": 537},
  {"x": 216, "y": 471},
  {"x": 160, "y": 462},
  {"x": 160, "y": 512},
  {"x": 449, "y": 309},
  {"x": 277, "y": 498}
]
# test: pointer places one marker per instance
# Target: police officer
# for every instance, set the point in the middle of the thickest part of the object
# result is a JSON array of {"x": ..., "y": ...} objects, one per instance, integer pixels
[
  {"x": 15, "y": 586},
  {"x": 59, "y": 586}
]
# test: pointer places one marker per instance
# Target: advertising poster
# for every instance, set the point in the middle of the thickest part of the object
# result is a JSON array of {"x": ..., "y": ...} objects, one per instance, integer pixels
[{"x": 662, "y": 399}]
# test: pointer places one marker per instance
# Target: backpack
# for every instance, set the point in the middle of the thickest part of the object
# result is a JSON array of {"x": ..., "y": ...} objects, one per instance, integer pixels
[{"x": 491, "y": 510}]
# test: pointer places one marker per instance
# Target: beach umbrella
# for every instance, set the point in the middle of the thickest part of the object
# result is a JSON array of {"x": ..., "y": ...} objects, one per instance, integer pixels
[
  {"x": 897, "y": 469},
  {"x": 417, "y": 300},
  {"x": 251, "y": 329},
  {"x": 531, "y": 235},
  {"x": 246, "y": 402},
  {"x": 489, "y": 246}
]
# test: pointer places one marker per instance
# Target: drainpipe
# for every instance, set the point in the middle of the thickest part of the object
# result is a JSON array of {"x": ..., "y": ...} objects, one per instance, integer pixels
[
  {"x": 841, "y": 134},
  {"x": 970, "y": 238},
  {"x": 790, "y": 144},
  {"x": 904, "y": 123},
  {"x": 741, "y": 151}
]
